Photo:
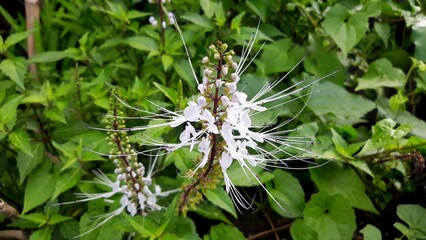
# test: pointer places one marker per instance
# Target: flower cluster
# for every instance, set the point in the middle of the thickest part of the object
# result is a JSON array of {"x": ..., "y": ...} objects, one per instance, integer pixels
[{"x": 170, "y": 15}]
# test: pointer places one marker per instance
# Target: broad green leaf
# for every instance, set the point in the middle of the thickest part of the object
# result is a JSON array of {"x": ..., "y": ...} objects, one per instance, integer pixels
[
  {"x": 287, "y": 190},
  {"x": 330, "y": 216},
  {"x": 220, "y": 198},
  {"x": 281, "y": 56},
  {"x": 57, "y": 112},
  {"x": 15, "y": 69},
  {"x": 139, "y": 223},
  {"x": 66, "y": 180},
  {"x": 300, "y": 231},
  {"x": 381, "y": 73},
  {"x": 44, "y": 233},
  {"x": 322, "y": 63},
  {"x": 414, "y": 216},
  {"x": 21, "y": 140},
  {"x": 344, "y": 28},
  {"x": 370, "y": 232},
  {"x": 209, "y": 7},
  {"x": 199, "y": 20},
  {"x": 222, "y": 231},
  {"x": 338, "y": 104},
  {"x": 50, "y": 56},
  {"x": 40, "y": 187},
  {"x": 170, "y": 93},
  {"x": 244, "y": 178},
  {"x": 27, "y": 163},
  {"x": 208, "y": 210},
  {"x": 142, "y": 43},
  {"x": 336, "y": 178}
]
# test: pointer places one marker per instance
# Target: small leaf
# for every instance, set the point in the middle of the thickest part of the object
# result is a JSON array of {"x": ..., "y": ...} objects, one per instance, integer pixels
[
  {"x": 39, "y": 218},
  {"x": 66, "y": 180},
  {"x": 35, "y": 99},
  {"x": 56, "y": 218},
  {"x": 21, "y": 140},
  {"x": 50, "y": 56},
  {"x": 209, "y": 7},
  {"x": 170, "y": 93},
  {"x": 167, "y": 61},
  {"x": 15, "y": 69},
  {"x": 220, "y": 198},
  {"x": 236, "y": 21},
  {"x": 220, "y": 15},
  {"x": 198, "y": 20},
  {"x": 370, "y": 232},
  {"x": 15, "y": 38},
  {"x": 381, "y": 73},
  {"x": 26, "y": 163}
]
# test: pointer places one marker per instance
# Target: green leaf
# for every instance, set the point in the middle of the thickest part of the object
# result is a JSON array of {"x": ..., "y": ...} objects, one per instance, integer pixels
[
  {"x": 381, "y": 73},
  {"x": 335, "y": 178},
  {"x": 27, "y": 163},
  {"x": 182, "y": 67},
  {"x": 209, "y": 7},
  {"x": 40, "y": 187},
  {"x": 66, "y": 180},
  {"x": 414, "y": 216},
  {"x": 139, "y": 223},
  {"x": 370, "y": 232},
  {"x": 243, "y": 178},
  {"x": 222, "y": 231},
  {"x": 35, "y": 98},
  {"x": 281, "y": 56},
  {"x": 287, "y": 190},
  {"x": 50, "y": 56},
  {"x": 39, "y": 218},
  {"x": 56, "y": 218},
  {"x": 220, "y": 15},
  {"x": 418, "y": 36},
  {"x": 383, "y": 31},
  {"x": 330, "y": 216},
  {"x": 142, "y": 43},
  {"x": 15, "y": 69},
  {"x": 167, "y": 61},
  {"x": 199, "y": 20},
  {"x": 344, "y": 28},
  {"x": 15, "y": 38},
  {"x": 236, "y": 21},
  {"x": 338, "y": 104},
  {"x": 208, "y": 210},
  {"x": 21, "y": 140},
  {"x": 220, "y": 198},
  {"x": 170, "y": 93},
  {"x": 8, "y": 116},
  {"x": 300, "y": 231},
  {"x": 42, "y": 234}
]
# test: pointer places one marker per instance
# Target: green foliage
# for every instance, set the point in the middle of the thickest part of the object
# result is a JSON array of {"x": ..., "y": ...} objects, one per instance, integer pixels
[{"x": 366, "y": 119}]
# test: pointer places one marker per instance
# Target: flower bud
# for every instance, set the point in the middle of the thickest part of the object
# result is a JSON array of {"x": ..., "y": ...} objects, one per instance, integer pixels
[
  {"x": 235, "y": 77},
  {"x": 205, "y": 60},
  {"x": 224, "y": 70},
  {"x": 163, "y": 24},
  {"x": 201, "y": 101},
  {"x": 219, "y": 83},
  {"x": 225, "y": 100},
  {"x": 216, "y": 56},
  {"x": 234, "y": 65},
  {"x": 232, "y": 87}
]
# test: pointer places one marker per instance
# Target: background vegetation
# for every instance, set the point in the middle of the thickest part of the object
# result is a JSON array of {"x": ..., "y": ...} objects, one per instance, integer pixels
[{"x": 368, "y": 118}]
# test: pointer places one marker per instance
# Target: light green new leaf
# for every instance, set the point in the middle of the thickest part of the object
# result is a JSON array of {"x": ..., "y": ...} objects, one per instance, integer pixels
[
  {"x": 27, "y": 163},
  {"x": 300, "y": 231},
  {"x": 339, "y": 104},
  {"x": 370, "y": 232},
  {"x": 222, "y": 231},
  {"x": 281, "y": 56},
  {"x": 199, "y": 20},
  {"x": 40, "y": 187},
  {"x": 15, "y": 38},
  {"x": 220, "y": 198},
  {"x": 42, "y": 234},
  {"x": 335, "y": 178},
  {"x": 142, "y": 43},
  {"x": 209, "y": 7},
  {"x": 345, "y": 29},
  {"x": 414, "y": 216},
  {"x": 330, "y": 216},
  {"x": 21, "y": 140},
  {"x": 15, "y": 69},
  {"x": 287, "y": 190},
  {"x": 167, "y": 61},
  {"x": 236, "y": 21},
  {"x": 381, "y": 73}
]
